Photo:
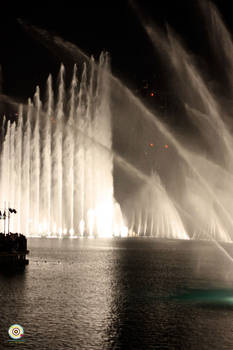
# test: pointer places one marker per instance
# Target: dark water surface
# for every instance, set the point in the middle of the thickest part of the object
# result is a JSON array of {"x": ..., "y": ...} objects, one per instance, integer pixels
[{"x": 120, "y": 294}]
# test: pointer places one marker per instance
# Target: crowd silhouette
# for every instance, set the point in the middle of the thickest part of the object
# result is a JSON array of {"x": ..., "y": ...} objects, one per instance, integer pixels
[{"x": 13, "y": 242}]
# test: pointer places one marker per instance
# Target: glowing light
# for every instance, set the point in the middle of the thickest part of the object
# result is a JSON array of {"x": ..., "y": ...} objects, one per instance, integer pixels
[
  {"x": 124, "y": 231},
  {"x": 71, "y": 232},
  {"x": 152, "y": 94},
  {"x": 152, "y": 144},
  {"x": 104, "y": 219},
  {"x": 44, "y": 226},
  {"x": 116, "y": 231},
  {"x": 81, "y": 227},
  {"x": 54, "y": 228},
  {"x": 165, "y": 146},
  {"x": 91, "y": 219},
  {"x": 60, "y": 232}
]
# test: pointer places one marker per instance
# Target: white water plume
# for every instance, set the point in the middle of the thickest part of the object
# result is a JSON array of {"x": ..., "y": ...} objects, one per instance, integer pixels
[
  {"x": 204, "y": 189},
  {"x": 59, "y": 180}
]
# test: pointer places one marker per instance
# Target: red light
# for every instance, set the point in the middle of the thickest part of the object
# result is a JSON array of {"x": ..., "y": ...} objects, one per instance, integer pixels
[
  {"x": 152, "y": 144},
  {"x": 165, "y": 146},
  {"x": 152, "y": 94}
]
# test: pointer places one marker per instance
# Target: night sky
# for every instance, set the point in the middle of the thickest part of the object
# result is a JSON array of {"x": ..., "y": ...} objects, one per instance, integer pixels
[{"x": 96, "y": 26}]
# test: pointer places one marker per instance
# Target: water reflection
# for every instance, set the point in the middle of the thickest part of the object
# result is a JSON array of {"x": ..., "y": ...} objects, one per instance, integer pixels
[
  {"x": 13, "y": 300},
  {"x": 106, "y": 294},
  {"x": 148, "y": 314}
]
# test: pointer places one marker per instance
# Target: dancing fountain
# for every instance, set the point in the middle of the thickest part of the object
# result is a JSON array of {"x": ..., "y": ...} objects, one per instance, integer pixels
[
  {"x": 201, "y": 164},
  {"x": 57, "y": 163}
]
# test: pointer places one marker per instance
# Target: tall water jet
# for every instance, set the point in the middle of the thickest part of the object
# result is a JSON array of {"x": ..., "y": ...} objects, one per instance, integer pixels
[
  {"x": 56, "y": 164},
  {"x": 193, "y": 198}
]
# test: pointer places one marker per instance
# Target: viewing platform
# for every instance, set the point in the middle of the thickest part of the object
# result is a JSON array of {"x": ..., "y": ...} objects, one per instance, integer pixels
[{"x": 13, "y": 250}]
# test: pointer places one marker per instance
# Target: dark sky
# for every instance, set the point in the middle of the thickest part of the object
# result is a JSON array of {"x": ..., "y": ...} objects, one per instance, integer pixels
[{"x": 94, "y": 26}]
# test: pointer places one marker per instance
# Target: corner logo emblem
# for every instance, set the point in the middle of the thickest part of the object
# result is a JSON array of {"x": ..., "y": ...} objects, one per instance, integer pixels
[{"x": 16, "y": 331}]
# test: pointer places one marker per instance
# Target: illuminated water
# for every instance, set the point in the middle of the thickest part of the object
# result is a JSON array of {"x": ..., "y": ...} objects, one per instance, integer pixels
[
  {"x": 120, "y": 294},
  {"x": 186, "y": 189},
  {"x": 56, "y": 162},
  {"x": 56, "y": 167}
]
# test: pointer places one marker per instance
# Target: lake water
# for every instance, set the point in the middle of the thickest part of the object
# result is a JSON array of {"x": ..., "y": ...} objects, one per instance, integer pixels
[{"x": 120, "y": 294}]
